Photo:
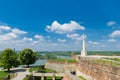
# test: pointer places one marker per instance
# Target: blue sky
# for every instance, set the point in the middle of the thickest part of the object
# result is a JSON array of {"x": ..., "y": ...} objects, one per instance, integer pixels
[{"x": 58, "y": 25}]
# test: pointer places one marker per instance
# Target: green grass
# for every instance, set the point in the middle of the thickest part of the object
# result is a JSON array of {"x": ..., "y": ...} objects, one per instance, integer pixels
[
  {"x": 58, "y": 78},
  {"x": 72, "y": 61},
  {"x": 28, "y": 77},
  {"x": 34, "y": 69},
  {"x": 39, "y": 78},
  {"x": 63, "y": 60},
  {"x": 82, "y": 78},
  {"x": 48, "y": 78},
  {"x": 107, "y": 62},
  {"x": 44, "y": 70},
  {"x": 114, "y": 59},
  {"x": 47, "y": 71},
  {"x": 3, "y": 74}
]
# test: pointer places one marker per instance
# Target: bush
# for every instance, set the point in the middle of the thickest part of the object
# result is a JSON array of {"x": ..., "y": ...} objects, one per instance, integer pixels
[{"x": 28, "y": 77}]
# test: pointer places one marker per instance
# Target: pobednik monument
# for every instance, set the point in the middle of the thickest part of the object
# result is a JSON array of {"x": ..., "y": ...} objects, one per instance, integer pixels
[{"x": 83, "y": 51}]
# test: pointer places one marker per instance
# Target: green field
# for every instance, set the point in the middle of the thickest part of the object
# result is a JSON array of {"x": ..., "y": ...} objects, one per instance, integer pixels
[
  {"x": 3, "y": 74},
  {"x": 113, "y": 59},
  {"x": 63, "y": 60},
  {"x": 107, "y": 62}
]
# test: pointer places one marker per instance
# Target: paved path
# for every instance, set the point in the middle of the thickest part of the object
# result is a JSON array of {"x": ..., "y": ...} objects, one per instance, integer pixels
[{"x": 21, "y": 73}]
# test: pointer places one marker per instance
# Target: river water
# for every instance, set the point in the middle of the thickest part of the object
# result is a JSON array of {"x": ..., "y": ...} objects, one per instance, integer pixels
[{"x": 43, "y": 61}]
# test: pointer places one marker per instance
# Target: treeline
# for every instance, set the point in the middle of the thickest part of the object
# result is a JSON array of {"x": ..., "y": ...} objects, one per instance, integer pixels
[
  {"x": 68, "y": 53},
  {"x": 9, "y": 58},
  {"x": 104, "y": 53}
]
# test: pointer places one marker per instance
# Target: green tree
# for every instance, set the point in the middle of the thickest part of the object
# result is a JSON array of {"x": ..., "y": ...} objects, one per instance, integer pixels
[
  {"x": 27, "y": 57},
  {"x": 50, "y": 56},
  {"x": 9, "y": 59},
  {"x": 40, "y": 56}
]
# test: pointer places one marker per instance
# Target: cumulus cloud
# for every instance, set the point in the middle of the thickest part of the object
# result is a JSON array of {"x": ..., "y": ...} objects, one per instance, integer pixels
[
  {"x": 41, "y": 38},
  {"x": 111, "y": 23},
  {"x": 93, "y": 42},
  {"x": 61, "y": 40},
  {"x": 8, "y": 36},
  {"x": 112, "y": 40},
  {"x": 27, "y": 39},
  {"x": 5, "y": 28},
  {"x": 115, "y": 33},
  {"x": 17, "y": 31},
  {"x": 74, "y": 36},
  {"x": 64, "y": 28}
]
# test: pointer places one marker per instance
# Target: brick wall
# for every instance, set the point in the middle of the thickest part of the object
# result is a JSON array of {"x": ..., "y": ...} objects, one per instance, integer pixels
[{"x": 99, "y": 71}]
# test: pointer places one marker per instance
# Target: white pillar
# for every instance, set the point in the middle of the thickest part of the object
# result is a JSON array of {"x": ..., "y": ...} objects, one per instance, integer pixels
[
  {"x": 83, "y": 51},
  {"x": 42, "y": 77}
]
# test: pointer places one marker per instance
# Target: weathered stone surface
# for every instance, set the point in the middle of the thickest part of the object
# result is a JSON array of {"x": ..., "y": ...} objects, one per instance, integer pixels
[
  {"x": 99, "y": 71},
  {"x": 58, "y": 66}
]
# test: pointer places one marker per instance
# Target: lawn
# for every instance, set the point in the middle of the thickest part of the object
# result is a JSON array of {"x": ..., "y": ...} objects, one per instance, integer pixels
[
  {"x": 3, "y": 74},
  {"x": 114, "y": 59},
  {"x": 82, "y": 78},
  {"x": 63, "y": 60},
  {"x": 107, "y": 62},
  {"x": 42, "y": 70}
]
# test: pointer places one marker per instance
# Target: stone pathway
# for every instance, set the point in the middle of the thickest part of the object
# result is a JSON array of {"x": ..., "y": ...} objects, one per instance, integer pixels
[{"x": 21, "y": 73}]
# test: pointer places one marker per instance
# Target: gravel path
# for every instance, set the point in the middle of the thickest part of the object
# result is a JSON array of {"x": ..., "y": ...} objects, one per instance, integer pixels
[{"x": 21, "y": 73}]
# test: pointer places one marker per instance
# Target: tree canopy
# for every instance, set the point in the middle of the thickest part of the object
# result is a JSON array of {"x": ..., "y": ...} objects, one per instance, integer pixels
[
  {"x": 27, "y": 57},
  {"x": 50, "y": 56},
  {"x": 9, "y": 59}
]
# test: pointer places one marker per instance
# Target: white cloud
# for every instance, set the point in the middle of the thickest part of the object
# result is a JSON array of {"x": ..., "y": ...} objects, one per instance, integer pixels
[
  {"x": 111, "y": 23},
  {"x": 94, "y": 43},
  {"x": 5, "y": 28},
  {"x": 64, "y": 28},
  {"x": 61, "y": 40},
  {"x": 8, "y": 36},
  {"x": 41, "y": 38},
  {"x": 74, "y": 36},
  {"x": 54, "y": 44},
  {"x": 112, "y": 40},
  {"x": 34, "y": 42},
  {"x": 17, "y": 31},
  {"x": 115, "y": 33},
  {"x": 27, "y": 39}
]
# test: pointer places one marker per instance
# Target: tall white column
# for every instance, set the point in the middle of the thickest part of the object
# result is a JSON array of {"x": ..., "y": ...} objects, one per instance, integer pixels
[{"x": 83, "y": 51}]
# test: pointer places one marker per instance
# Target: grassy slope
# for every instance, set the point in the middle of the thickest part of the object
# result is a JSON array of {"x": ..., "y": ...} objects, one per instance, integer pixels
[
  {"x": 3, "y": 74},
  {"x": 82, "y": 78}
]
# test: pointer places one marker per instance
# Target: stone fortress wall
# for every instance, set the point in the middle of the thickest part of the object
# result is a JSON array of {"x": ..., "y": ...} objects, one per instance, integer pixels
[
  {"x": 99, "y": 71},
  {"x": 95, "y": 70},
  {"x": 58, "y": 66}
]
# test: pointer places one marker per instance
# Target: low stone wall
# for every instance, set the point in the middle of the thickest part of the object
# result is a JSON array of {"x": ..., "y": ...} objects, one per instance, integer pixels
[
  {"x": 99, "y": 71},
  {"x": 58, "y": 66}
]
